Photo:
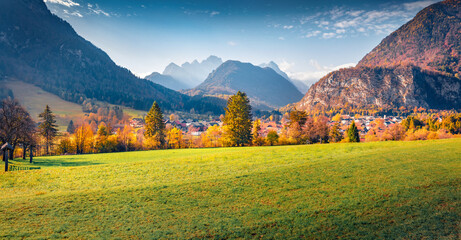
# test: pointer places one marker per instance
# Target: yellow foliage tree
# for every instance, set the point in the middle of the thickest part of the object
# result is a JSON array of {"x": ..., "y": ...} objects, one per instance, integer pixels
[{"x": 174, "y": 137}]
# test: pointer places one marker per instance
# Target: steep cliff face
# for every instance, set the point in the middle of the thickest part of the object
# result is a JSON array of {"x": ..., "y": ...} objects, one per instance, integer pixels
[
  {"x": 416, "y": 66},
  {"x": 384, "y": 87}
]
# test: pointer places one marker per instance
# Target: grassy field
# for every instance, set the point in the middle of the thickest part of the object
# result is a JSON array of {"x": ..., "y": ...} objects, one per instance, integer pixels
[{"x": 407, "y": 190}]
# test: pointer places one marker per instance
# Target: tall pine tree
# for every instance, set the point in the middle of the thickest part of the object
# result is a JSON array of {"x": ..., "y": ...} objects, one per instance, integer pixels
[
  {"x": 48, "y": 128},
  {"x": 71, "y": 127},
  {"x": 353, "y": 133},
  {"x": 238, "y": 119},
  {"x": 155, "y": 126}
]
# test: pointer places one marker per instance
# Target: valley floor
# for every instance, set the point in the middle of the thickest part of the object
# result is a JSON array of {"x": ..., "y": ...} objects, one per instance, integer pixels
[{"x": 368, "y": 190}]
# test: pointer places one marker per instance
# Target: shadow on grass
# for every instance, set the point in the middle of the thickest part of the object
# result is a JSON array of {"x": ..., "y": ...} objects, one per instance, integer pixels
[{"x": 44, "y": 162}]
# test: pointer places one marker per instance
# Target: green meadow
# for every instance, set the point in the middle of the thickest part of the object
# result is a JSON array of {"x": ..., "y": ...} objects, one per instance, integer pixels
[{"x": 403, "y": 190}]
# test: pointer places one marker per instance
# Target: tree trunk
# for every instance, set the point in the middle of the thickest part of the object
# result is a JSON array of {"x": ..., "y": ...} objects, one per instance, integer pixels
[
  {"x": 12, "y": 152},
  {"x": 5, "y": 156},
  {"x": 47, "y": 147},
  {"x": 24, "y": 148},
  {"x": 31, "y": 155}
]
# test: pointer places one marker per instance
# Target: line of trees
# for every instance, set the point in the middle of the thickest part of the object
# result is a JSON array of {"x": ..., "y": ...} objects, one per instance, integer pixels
[{"x": 97, "y": 134}]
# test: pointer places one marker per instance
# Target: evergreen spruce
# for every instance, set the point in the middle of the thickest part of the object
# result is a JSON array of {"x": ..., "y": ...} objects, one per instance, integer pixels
[
  {"x": 155, "y": 126},
  {"x": 48, "y": 128},
  {"x": 71, "y": 127},
  {"x": 353, "y": 133},
  {"x": 238, "y": 119}
]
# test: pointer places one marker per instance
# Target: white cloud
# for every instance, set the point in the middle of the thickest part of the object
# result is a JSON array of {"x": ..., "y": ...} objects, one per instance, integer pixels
[
  {"x": 328, "y": 35},
  {"x": 232, "y": 43},
  {"x": 67, "y": 3},
  {"x": 285, "y": 66},
  {"x": 347, "y": 23},
  {"x": 288, "y": 27},
  {"x": 74, "y": 13},
  {"x": 341, "y": 22},
  {"x": 419, "y": 4},
  {"x": 213, "y": 13},
  {"x": 281, "y": 38},
  {"x": 313, "y": 34},
  {"x": 96, "y": 10},
  {"x": 310, "y": 77}
]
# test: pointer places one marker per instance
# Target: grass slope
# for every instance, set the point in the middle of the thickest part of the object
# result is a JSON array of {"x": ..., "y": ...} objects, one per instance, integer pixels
[
  {"x": 34, "y": 99},
  {"x": 368, "y": 190}
]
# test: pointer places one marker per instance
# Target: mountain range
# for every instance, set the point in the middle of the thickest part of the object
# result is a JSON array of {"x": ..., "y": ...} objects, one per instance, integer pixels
[
  {"x": 300, "y": 85},
  {"x": 188, "y": 75},
  {"x": 418, "y": 65},
  {"x": 266, "y": 88},
  {"x": 39, "y": 48}
]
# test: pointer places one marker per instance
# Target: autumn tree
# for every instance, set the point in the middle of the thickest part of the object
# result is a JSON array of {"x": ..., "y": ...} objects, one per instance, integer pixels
[
  {"x": 16, "y": 125},
  {"x": 125, "y": 137},
  {"x": 83, "y": 138},
  {"x": 65, "y": 145},
  {"x": 394, "y": 132},
  {"x": 174, "y": 137},
  {"x": 412, "y": 123},
  {"x": 48, "y": 128},
  {"x": 212, "y": 137},
  {"x": 238, "y": 119},
  {"x": 335, "y": 134},
  {"x": 256, "y": 135},
  {"x": 103, "y": 143},
  {"x": 337, "y": 118},
  {"x": 272, "y": 137},
  {"x": 353, "y": 133},
  {"x": 297, "y": 121},
  {"x": 319, "y": 130},
  {"x": 155, "y": 127}
]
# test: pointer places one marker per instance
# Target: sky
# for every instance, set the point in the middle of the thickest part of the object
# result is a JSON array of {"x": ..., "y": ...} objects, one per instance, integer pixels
[{"x": 307, "y": 39}]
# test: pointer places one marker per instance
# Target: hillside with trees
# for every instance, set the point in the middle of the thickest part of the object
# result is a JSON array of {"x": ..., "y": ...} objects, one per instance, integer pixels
[{"x": 39, "y": 48}]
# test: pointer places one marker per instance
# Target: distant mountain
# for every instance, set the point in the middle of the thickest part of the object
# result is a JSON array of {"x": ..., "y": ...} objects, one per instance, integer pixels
[
  {"x": 194, "y": 73},
  {"x": 167, "y": 81},
  {"x": 265, "y": 88},
  {"x": 39, "y": 48},
  {"x": 416, "y": 66},
  {"x": 300, "y": 85}
]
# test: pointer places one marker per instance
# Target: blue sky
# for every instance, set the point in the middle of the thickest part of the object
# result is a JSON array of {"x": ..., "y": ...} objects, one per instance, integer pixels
[{"x": 307, "y": 39}]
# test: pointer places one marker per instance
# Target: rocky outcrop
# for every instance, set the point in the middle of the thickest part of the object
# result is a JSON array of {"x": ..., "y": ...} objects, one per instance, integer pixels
[
  {"x": 384, "y": 87},
  {"x": 416, "y": 66}
]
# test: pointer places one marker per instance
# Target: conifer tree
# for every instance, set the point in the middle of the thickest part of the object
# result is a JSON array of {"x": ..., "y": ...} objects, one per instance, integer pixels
[
  {"x": 353, "y": 133},
  {"x": 238, "y": 119},
  {"x": 335, "y": 134},
  {"x": 48, "y": 128},
  {"x": 71, "y": 127},
  {"x": 155, "y": 126}
]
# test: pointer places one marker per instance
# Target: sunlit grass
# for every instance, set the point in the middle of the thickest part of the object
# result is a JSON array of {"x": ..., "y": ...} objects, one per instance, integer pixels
[{"x": 367, "y": 190}]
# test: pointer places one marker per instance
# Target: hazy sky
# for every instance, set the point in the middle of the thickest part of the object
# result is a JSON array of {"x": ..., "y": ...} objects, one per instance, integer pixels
[{"x": 307, "y": 39}]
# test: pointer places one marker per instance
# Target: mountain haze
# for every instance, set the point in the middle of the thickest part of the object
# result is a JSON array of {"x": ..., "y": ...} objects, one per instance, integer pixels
[
  {"x": 194, "y": 73},
  {"x": 418, "y": 65},
  {"x": 167, "y": 81},
  {"x": 300, "y": 85},
  {"x": 39, "y": 48},
  {"x": 265, "y": 88}
]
